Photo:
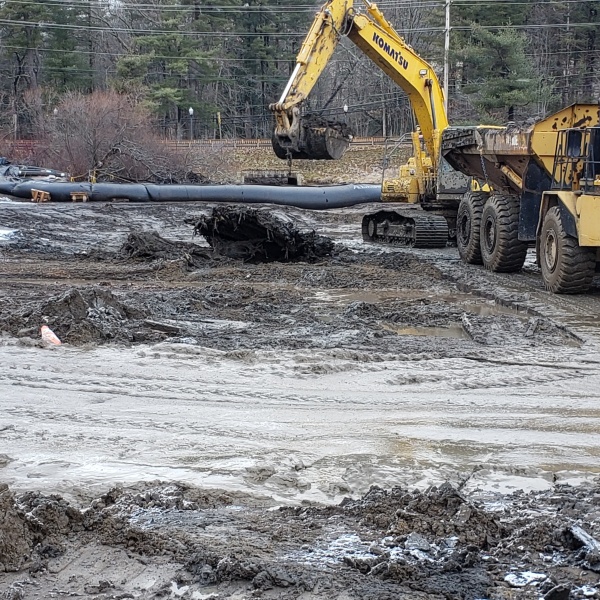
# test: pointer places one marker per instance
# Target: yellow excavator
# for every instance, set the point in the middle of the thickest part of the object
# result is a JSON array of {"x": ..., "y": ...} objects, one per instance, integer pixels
[
  {"x": 427, "y": 179},
  {"x": 540, "y": 185}
]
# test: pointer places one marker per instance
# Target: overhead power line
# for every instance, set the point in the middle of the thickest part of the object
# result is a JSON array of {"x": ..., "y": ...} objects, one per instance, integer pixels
[
  {"x": 186, "y": 33},
  {"x": 124, "y": 5},
  {"x": 249, "y": 8},
  {"x": 225, "y": 59}
]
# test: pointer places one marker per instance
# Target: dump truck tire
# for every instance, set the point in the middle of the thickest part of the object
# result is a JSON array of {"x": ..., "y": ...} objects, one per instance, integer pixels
[
  {"x": 468, "y": 226},
  {"x": 501, "y": 249},
  {"x": 567, "y": 267}
]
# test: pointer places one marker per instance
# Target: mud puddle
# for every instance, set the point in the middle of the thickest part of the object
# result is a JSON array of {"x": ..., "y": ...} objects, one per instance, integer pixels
[
  {"x": 245, "y": 420},
  {"x": 452, "y": 331}
]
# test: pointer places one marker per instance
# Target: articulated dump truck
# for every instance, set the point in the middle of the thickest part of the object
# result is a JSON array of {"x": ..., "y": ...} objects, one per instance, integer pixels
[{"x": 546, "y": 191}]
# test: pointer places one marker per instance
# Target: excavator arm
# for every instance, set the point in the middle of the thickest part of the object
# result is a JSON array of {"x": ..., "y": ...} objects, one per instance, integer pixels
[
  {"x": 314, "y": 138},
  {"x": 376, "y": 38}
]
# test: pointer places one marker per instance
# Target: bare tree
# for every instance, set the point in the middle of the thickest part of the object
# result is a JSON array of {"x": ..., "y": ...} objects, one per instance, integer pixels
[{"x": 109, "y": 136}]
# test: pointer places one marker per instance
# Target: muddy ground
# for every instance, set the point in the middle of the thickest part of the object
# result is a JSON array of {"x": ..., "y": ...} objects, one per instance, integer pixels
[{"x": 368, "y": 423}]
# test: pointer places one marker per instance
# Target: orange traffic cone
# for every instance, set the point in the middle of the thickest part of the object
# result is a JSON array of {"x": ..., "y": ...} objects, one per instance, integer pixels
[{"x": 49, "y": 336}]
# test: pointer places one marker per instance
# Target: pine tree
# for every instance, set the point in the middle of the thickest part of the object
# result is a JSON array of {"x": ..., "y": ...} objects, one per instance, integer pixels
[
  {"x": 67, "y": 64},
  {"x": 266, "y": 57},
  {"x": 23, "y": 38},
  {"x": 170, "y": 64},
  {"x": 499, "y": 75}
]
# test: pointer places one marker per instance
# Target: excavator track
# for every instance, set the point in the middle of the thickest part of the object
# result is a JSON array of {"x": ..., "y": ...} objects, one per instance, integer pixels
[{"x": 412, "y": 228}]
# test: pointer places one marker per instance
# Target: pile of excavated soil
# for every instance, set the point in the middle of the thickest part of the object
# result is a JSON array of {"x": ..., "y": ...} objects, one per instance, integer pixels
[
  {"x": 260, "y": 235},
  {"x": 395, "y": 544},
  {"x": 79, "y": 316},
  {"x": 16, "y": 538},
  {"x": 149, "y": 245}
]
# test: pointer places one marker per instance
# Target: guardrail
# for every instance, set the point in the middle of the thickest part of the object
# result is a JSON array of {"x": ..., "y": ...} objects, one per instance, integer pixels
[
  {"x": 27, "y": 146},
  {"x": 259, "y": 143}
]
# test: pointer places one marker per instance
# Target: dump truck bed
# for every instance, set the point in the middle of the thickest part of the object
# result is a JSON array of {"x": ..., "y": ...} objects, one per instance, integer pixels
[
  {"x": 503, "y": 156},
  {"x": 516, "y": 160},
  {"x": 481, "y": 151}
]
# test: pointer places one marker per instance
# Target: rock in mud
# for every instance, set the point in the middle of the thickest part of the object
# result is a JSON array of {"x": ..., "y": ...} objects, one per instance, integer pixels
[
  {"x": 559, "y": 592},
  {"x": 260, "y": 235}
]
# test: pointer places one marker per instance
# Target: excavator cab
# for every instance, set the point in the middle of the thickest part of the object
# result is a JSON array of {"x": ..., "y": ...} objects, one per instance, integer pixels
[{"x": 577, "y": 161}]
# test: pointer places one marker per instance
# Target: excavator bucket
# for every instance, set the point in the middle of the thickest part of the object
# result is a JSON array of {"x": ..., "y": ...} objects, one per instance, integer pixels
[{"x": 318, "y": 139}]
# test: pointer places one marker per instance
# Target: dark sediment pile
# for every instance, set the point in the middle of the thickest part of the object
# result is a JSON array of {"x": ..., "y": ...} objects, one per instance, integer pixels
[
  {"x": 393, "y": 544},
  {"x": 260, "y": 235},
  {"x": 78, "y": 316},
  {"x": 149, "y": 245},
  {"x": 16, "y": 539}
]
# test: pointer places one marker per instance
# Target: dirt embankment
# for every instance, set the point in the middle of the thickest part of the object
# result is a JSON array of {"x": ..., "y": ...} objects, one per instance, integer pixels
[
  {"x": 389, "y": 544},
  {"x": 364, "y": 165}
]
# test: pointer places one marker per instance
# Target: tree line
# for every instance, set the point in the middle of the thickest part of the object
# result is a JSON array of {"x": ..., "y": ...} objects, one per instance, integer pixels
[{"x": 209, "y": 68}]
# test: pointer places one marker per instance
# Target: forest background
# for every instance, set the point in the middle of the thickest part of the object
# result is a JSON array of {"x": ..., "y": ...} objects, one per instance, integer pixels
[{"x": 193, "y": 69}]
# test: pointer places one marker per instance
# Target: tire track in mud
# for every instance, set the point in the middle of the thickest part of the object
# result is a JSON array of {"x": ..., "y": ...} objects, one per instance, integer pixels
[
  {"x": 524, "y": 291},
  {"x": 470, "y": 372},
  {"x": 208, "y": 419},
  {"x": 303, "y": 423}
]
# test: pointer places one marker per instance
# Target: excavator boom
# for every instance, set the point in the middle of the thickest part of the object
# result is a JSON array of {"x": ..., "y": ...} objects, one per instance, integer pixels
[
  {"x": 378, "y": 40},
  {"x": 376, "y": 37}
]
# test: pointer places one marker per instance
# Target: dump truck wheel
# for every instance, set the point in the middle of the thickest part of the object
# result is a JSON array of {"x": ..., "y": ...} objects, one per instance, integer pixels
[
  {"x": 468, "y": 225},
  {"x": 567, "y": 267},
  {"x": 501, "y": 249}
]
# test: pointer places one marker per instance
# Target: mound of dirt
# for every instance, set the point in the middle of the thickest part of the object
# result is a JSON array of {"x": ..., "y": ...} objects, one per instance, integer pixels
[
  {"x": 441, "y": 513},
  {"x": 15, "y": 537},
  {"x": 393, "y": 543},
  {"x": 78, "y": 316},
  {"x": 149, "y": 245},
  {"x": 260, "y": 235}
]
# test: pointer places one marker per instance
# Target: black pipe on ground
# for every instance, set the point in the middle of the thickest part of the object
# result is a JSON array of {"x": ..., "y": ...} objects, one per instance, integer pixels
[{"x": 336, "y": 196}]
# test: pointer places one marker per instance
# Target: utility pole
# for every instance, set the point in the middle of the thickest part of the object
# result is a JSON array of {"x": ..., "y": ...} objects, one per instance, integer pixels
[
  {"x": 90, "y": 44},
  {"x": 447, "y": 55},
  {"x": 567, "y": 70}
]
